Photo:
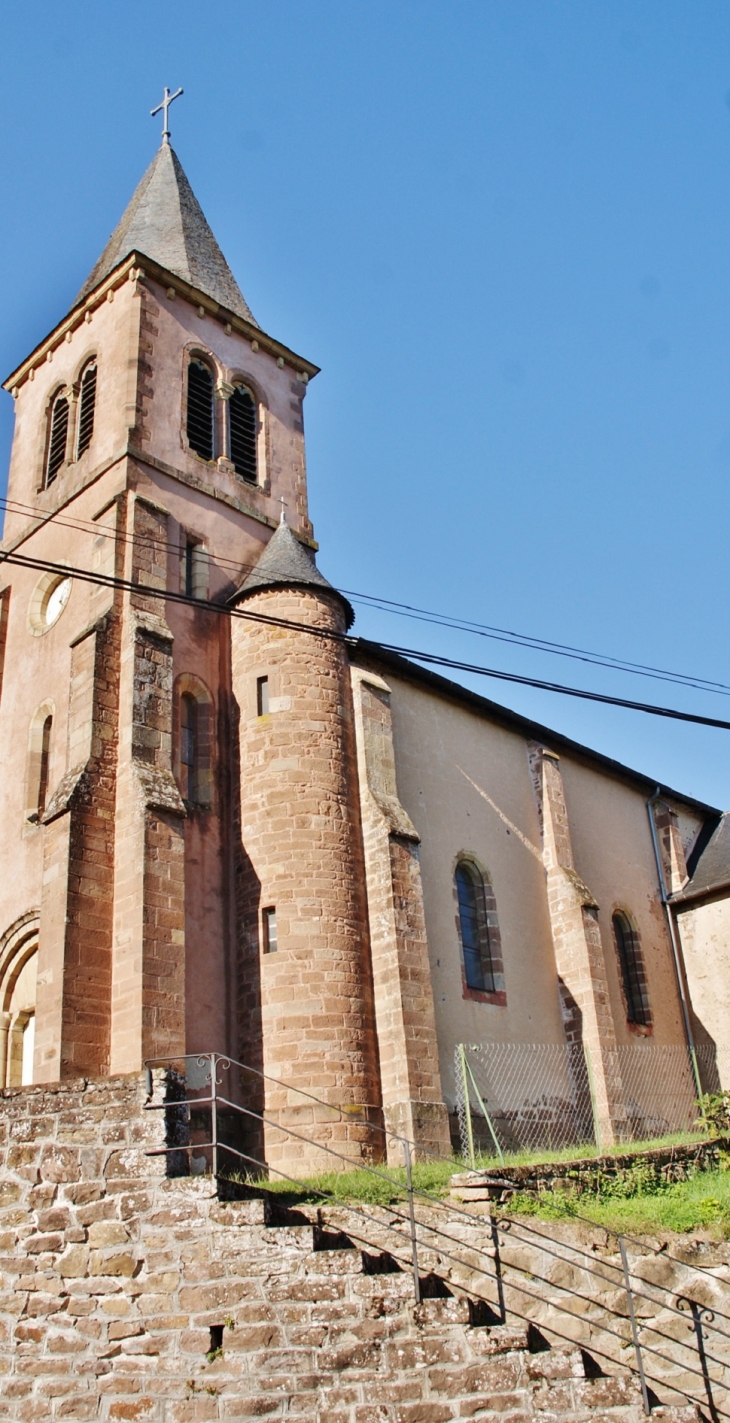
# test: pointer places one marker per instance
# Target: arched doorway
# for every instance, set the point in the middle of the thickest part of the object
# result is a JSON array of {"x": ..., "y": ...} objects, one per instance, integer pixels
[{"x": 18, "y": 974}]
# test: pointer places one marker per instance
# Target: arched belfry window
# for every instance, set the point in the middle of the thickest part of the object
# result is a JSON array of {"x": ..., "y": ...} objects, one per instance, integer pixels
[
  {"x": 476, "y": 946},
  {"x": 201, "y": 409},
  {"x": 633, "y": 976},
  {"x": 193, "y": 750},
  {"x": 57, "y": 437},
  {"x": 243, "y": 431},
  {"x": 87, "y": 402}
]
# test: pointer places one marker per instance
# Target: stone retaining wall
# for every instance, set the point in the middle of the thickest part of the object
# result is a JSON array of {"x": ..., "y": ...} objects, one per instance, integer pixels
[
  {"x": 127, "y": 1295},
  {"x": 663, "y": 1164}
]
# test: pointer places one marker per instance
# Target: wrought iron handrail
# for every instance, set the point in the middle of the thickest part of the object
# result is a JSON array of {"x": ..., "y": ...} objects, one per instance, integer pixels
[{"x": 701, "y": 1315}]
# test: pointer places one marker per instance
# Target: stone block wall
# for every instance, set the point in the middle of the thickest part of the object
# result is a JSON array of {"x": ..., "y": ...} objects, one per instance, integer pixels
[{"x": 126, "y": 1295}]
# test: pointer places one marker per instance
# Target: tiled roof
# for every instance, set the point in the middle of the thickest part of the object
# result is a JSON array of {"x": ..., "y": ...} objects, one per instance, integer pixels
[
  {"x": 286, "y": 562},
  {"x": 712, "y": 870},
  {"x": 165, "y": 222}
]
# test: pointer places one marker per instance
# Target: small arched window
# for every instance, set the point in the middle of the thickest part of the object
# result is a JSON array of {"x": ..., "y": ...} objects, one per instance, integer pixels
[
  {"x": 243, "y": 423},
  {"x": 633, "y": 976},
  {"x": 473, "y": 921},
  {"x": 188, "y": 747},
  {"x": 39, "y": 759},
  {"x": 57, "y": 436},
  {"x": 87, "y": 401},
  {"x": 201, "y": 410},
  {"x": 193, "y": 752}
]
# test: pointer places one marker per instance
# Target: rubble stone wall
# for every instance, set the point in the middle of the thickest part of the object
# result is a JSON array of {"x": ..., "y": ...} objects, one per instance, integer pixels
[{"x": 129, "y": 1295}]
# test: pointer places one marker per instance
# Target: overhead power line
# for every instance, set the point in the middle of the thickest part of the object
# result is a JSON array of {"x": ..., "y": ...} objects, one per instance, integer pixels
[
  {"x": 428, "y": 658},
  {"x": 406, "y": 610}
]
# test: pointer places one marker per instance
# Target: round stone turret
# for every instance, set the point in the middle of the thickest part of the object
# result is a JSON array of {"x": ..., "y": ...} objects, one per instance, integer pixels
[{"x": 306, "y": 1007}]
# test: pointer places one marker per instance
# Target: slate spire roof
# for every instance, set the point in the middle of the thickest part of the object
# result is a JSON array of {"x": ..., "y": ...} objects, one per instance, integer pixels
[
  {"x": 284, "y": 563},
  {"x": 164, "y": 221}
]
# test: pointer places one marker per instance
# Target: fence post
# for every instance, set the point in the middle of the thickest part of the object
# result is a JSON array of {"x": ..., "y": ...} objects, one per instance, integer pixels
[
  {"x": 634, "y": 1329},
  {"x": 467, "y": 1105},
  {"x": 411, "y": 1212},
  {"x": 592, "y": 1090},
  {"x": 213, "y": 1118}
]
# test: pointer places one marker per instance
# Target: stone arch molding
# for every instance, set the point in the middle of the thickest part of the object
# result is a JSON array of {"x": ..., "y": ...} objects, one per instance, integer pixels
[{"x": 18, "y": 969}]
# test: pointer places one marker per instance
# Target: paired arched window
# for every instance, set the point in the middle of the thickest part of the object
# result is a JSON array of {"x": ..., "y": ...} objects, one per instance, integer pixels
[
  {"x": 193, "y": 751},
  {"x": 39, "y": 759},
  {"x": 57, "y": 437},
  {"x": 201, "y": 409},
  {"x": 476, "y": 946},
  {"x": 87, "y": 402},
  {"x": 631, "y": 964},
  {"x": 61, "y": 436},
  {"x": 234, "y": 432},
  {"x": 242, "y": 427}
]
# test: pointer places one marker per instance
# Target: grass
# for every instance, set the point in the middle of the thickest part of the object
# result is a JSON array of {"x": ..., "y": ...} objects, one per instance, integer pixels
[
  {"x": 633, "y": 1201},
  {"x": 700, "y": 1203}
]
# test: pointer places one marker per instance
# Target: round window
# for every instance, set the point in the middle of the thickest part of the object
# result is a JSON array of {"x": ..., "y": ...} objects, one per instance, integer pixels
[{"x": 48, "y": 602}]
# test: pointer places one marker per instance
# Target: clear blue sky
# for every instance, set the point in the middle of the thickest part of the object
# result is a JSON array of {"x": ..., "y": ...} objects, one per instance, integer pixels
[{"x": 503, "y": 230}]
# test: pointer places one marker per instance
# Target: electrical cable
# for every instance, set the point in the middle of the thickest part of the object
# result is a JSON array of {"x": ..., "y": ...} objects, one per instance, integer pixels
[
  {"x": 389, "y": 606},
  {"x": 430, "y": 659}
]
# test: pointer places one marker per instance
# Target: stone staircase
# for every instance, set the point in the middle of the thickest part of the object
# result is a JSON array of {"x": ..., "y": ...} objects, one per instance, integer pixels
[
  {"x": 127, "y": 1296},
  {"x": 330, "y": 1331}
]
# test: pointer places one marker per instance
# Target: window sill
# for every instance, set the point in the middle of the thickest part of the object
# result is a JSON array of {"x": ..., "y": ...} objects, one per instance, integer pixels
[
  {"x": 641, "y": 1030},
  {"x": 499, "y": 999}
]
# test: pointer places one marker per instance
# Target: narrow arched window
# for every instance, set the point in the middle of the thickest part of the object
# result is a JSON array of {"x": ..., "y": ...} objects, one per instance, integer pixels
[
  {"x": 45, "y": 756},
  {"x": 633, "y": 976},
  {"x": 243, "y": 421},
  {"x": 200, "y": 421},
  {"x": 474, "y": 924},
  {"x": 192, "y": 747},
  {"x": 188, "y": 747},
  {"x": 87, "y": 401},
  {"x": 57, "y": 436}
]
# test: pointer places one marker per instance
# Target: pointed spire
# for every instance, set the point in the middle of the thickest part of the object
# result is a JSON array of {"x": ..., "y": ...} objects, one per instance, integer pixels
[
  {"x": 165, "y": 222},
  {"x": 284, "y": 563}
]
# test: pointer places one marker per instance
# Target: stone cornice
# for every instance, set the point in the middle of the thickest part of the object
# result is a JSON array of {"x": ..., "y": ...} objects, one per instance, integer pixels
[
  {"x": 136, "y": 267},
  {"x": 133, "y": 452}
]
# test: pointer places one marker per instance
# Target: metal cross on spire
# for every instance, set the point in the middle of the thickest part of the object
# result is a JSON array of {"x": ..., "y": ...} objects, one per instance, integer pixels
[
  {"x": 166, "y": 102},
  {"x": 282, "y": 520}
]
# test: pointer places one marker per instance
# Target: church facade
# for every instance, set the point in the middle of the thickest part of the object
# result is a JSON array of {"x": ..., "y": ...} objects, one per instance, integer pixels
[{"x": 228, "y": 824}]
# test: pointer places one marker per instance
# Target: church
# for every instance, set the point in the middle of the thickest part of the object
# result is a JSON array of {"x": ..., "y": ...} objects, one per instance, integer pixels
[{"x": 230, "y": 825}]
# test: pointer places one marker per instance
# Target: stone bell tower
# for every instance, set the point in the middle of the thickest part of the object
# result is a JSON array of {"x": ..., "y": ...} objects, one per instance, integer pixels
[
  {"x": 181, "y": 826},
  {"x": 157, "y": 428}
]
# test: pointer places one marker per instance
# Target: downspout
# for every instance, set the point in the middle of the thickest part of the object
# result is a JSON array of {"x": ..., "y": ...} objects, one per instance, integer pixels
[{"x": 674, "y": 939}]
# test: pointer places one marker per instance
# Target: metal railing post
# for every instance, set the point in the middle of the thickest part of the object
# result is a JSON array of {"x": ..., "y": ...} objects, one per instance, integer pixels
[
  {"x": 634, "y": 1329},
  {"x": 412, "y": 1215},
  {"x": 699, "y": 1314},
  {"x": 213, "y": 1118}
]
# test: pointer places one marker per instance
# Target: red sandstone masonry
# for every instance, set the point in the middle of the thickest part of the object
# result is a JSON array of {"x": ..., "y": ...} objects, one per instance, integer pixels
[
  {"x": 406, "y": 1028},
  {"x": 309, "y": 1004}
]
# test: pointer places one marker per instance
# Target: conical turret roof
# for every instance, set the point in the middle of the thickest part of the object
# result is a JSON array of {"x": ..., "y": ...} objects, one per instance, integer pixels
[
  {"x": 165, "y": 222},
  {"x": 285, "y": 562}
]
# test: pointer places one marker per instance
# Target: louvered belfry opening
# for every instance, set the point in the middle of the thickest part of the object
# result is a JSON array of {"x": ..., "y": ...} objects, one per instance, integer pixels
[
  {"x": 87, "y": 402},
  {"x": 57, "y": 438},
  {"x": 200, "y": 409},
  {"x": 242, "y": 415}
]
